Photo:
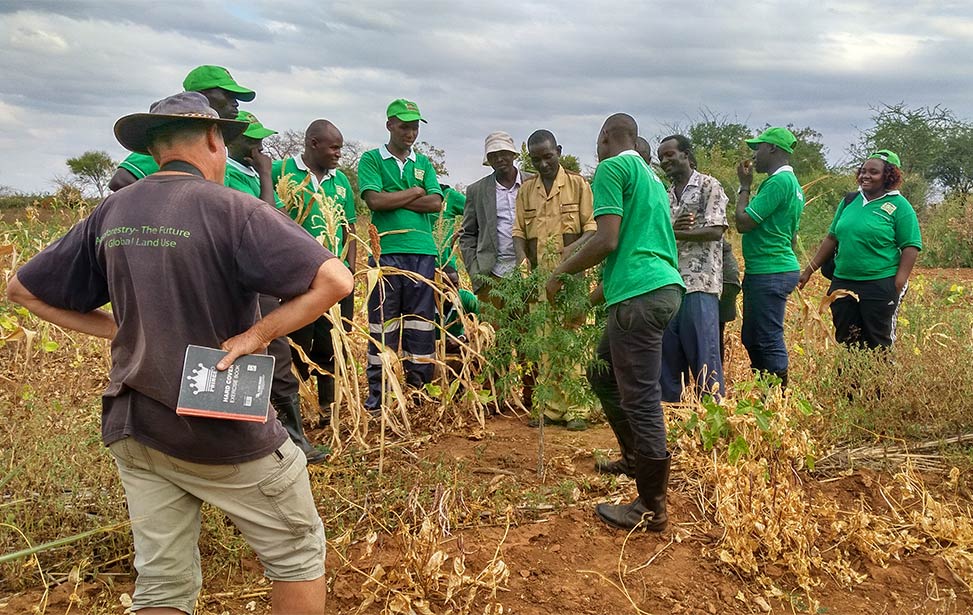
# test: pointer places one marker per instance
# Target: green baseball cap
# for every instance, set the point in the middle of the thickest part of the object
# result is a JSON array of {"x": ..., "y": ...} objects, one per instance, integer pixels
[
  {"x": 781, "y": 137},
  {"x": 255, "y": 130},
  {"x": 888, "y": 156},
  {"x": 405, "y": 110},
  {"x": 209, "y": 76}
]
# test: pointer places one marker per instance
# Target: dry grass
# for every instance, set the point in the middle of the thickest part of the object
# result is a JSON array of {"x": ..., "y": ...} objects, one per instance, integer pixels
[
  {"x": 457, "y": 386},
  {"x": 767, "y": 512},
  {"x": 759, "y": 477},
  {"x": 427, "y": 578}
]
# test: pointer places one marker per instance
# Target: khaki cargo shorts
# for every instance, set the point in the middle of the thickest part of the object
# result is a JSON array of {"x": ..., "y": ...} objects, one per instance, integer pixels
[{"x": 268, "y": 499}]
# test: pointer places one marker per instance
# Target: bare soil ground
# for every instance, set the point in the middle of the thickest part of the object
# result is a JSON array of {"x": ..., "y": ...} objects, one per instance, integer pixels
[{"x": 567, "y": 561}]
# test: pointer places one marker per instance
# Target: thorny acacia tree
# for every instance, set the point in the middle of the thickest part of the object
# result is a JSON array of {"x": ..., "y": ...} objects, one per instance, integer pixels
[{"x": 92, "y": 169}]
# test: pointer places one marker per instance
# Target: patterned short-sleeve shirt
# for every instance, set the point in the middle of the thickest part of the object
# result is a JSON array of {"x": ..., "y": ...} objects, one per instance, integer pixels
[{"x": 701, "y": 262}]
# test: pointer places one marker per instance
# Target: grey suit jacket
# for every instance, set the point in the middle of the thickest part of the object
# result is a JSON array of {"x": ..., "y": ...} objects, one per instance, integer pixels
[{"x": 478, "y": 241}]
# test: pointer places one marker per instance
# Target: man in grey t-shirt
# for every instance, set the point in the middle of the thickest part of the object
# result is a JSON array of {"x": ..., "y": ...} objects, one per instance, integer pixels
[{"x": 182, "y": 260}]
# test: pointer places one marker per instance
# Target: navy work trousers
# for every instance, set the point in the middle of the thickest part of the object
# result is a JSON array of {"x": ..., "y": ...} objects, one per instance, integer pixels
[{"x": 401, "y": 308}]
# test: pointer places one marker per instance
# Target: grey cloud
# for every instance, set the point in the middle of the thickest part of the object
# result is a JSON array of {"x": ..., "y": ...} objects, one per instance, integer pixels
[
  {"x": 208, "y": 20},
  {"x": 478, "y": 67}
]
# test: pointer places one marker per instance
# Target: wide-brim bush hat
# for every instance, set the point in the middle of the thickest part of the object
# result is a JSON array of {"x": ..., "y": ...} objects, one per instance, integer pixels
[{"x": 133, "y": 131}]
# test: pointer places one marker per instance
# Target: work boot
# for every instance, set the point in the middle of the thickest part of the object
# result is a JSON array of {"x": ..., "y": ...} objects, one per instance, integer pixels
[
  {"x": 325, "y": 399},
  {"x": 783, "y": 378},
  {"x": 289, "y": 414},
  {"x": 576, "y": 425},
  {"x": 535, "y": 421},
  {"x": 622, "y": 465},
  {"x": 623, "y": 433},
  {"x": 648, "y": 511}
]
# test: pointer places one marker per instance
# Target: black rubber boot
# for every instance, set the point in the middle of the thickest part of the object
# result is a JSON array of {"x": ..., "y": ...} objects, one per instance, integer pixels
[
  {"x": 648, "y": 511},
  {"x": 623, "y": 433},
  {"x": 325, "y": 399},
  {"x": 619, "y": 466},
  {"x": 783, "y": 378},
  {"x": 325, "y": 390},
  {"x": 652, "y": 480},
  {"x": 289, "y": 413}
]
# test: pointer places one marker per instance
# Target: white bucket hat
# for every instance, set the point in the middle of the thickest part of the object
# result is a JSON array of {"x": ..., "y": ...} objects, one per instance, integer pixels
[{"x": 498, "y": 142}]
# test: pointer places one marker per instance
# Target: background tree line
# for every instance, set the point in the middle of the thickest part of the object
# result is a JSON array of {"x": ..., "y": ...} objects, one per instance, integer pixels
[{"x": 935, "y": 146}]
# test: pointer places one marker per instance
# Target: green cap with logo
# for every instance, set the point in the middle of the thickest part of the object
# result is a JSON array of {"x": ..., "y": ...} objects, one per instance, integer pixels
[
  {"x": 405, "y": 110},
  {"x": 209, "y": 76},
  {"x": 255, "y": 130},
  {"x": 888, "y": 156},
  {"x": 781, "y": 137}
]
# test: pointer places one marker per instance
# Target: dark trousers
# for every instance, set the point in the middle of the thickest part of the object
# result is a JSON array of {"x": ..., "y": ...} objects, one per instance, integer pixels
[
  {"x": 728, "y": 312},
  {"x": 315, "y": 340},
  {"x": 408, "y": 308},
  {"x": 626, "y": 376},
  {"x": 691, "y": 348},
  {"x": 869, "y": 321},
  {"x": 764, "y": 304},
  {"x": 284, "y": 384}
]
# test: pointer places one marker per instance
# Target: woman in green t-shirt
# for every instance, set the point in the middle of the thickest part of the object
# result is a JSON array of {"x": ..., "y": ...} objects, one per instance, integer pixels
[{"x": 874, "y": 239}]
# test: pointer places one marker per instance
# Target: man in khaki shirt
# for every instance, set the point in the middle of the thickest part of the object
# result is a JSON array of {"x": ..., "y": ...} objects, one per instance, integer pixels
[
  {"x": 554, "y": 216},
  {"x": 554, "y": 208}
]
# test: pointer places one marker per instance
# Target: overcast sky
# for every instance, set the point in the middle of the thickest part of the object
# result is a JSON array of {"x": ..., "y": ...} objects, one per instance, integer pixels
[{"x": 70, "y": 68}]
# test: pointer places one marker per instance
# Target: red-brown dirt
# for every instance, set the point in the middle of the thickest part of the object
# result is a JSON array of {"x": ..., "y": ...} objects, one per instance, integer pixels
[{"x": 567, "y": 561}]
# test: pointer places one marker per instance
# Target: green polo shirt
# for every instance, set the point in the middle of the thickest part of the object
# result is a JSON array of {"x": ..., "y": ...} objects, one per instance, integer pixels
[
  {"x": 454, "y": 204},
  {"x": 646, "y": 257},
  {"x": 776, "y": 208},
  {"x": 451, "y": 320},
  {"x": 871, "y": 236},
  {"x": 241, "y": 177},
  {"x": 379, "y": 170},
  {"x": 139, "y": 165},
  {"x": 335, "y": 185}
]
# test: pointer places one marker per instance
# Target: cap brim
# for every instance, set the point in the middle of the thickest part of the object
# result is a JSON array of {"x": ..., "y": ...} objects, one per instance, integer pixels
[
  {"x": 410, "y": 117},
  {"x": 258, "y": 132},
  {"x": 239, "y": 92},
  {"x": 754, "y": 143},
  {"x": 132, "y": 130}
]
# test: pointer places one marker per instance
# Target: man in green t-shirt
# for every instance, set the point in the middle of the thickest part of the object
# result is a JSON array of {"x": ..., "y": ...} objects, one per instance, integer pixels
[
  {"x": 223, "y": 94},
  {"x": 325, "y": 207},
  {"x": 643, "y": 290},
  {"x": 248, "y": 170},
  {"x": 400, "y": 188},
  {"x": 768, "y": 223}
]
